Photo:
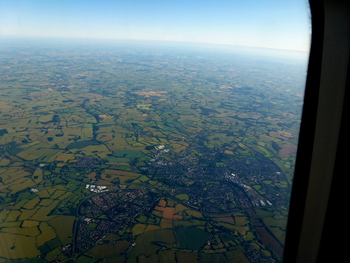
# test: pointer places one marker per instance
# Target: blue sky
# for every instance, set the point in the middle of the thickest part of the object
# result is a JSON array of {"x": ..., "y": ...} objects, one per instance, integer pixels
[{"x": 264, "y": 23}]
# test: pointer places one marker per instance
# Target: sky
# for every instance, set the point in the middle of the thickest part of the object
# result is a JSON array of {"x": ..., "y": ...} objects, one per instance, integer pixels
[{"x": 282, "y": 24}]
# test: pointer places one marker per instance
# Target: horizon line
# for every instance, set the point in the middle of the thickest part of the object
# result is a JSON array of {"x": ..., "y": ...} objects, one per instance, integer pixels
[{"x": 149, "y": 40}]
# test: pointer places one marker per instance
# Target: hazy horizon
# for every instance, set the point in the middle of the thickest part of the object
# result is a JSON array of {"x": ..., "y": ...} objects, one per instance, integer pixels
[{"x": 254, "y": 53}]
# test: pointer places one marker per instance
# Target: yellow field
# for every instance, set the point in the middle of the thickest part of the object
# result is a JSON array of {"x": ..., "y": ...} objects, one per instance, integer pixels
[
  {"x": 65, "y": 157},
  {"x": 43, "y": 194},
  {"x": 46, "y": 233},
  {"x": 96, "y": 149},
  {"x": 32, "y": 203},
  {"x": 21, "y": 184},
  {"x": 104, "y": 137},
  {"x": 151, "y": 228},
  {"x": 18, "y": 246},
  {"x": 122, "y": 175},
  {"x": 13, "y": 215},
  {"x": 12, "y": 174},
  {"x": 63, "y": 226},
  {"x": 45, "y": 202},
  {"x": 41, "y": 214},
  {"x": 4, "y": 162},
  {"x": 27, "y": 214},
  {"x": 10, "y": 224},
  {"x": 194, "y": 213},
  {"x": 30, "y": 223},
  {"x": 28, "y": 231},
  {"x": 138, "y": 229},
  {"x": 57, "y": 194}
]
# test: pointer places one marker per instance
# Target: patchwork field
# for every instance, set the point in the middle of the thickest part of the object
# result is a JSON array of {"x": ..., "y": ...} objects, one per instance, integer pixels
[{"x": 207, "y": 133}]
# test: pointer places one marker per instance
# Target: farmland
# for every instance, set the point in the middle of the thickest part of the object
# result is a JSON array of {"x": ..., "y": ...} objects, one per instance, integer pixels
[{"x": 135, "y": 153}]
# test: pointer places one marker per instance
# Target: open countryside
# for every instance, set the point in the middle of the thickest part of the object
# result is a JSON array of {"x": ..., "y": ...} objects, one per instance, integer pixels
[{"x": 131, "y": 152}]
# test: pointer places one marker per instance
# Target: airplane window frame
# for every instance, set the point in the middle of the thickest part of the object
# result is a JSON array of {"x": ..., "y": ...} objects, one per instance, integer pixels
[{"x": 318, "y": 187}]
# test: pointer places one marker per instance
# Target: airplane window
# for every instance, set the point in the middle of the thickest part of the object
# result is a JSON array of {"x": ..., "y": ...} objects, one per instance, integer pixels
[{"x": 149, "y": 131}]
